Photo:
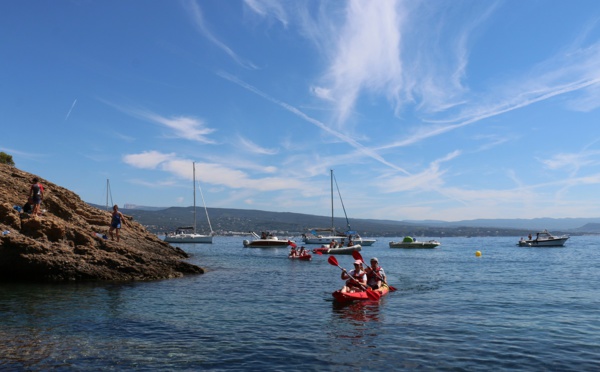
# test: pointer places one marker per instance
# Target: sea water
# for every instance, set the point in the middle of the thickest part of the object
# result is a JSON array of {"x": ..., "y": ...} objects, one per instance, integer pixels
[{"x": 512, "y": 308}]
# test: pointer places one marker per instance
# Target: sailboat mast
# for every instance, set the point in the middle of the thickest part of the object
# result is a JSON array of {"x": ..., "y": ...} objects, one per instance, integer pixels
[
  {"x": 194, "y": 176},
  {"x": 332, "y": 228},
  {"x": 107, "y": 191},
  {"x": 205, "y": 209},
  {"x": 343, "y": 207}
]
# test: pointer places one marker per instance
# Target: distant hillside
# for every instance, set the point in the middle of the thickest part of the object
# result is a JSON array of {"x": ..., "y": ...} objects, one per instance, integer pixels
[
  {"x": 564, "y": 224},
  {"x": 589, "y": 228},
  {"x": 225, "y": 220}
]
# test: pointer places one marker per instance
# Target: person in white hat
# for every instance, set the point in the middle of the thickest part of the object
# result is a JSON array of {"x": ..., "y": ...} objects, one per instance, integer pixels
[{"x": 356, "y": 279}]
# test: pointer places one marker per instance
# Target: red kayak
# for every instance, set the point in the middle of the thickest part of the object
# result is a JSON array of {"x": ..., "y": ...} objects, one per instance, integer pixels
[
  {"x": 321, "y": 249},
  {"x": 357, "y": 296},
  {"x": 305, "y": 257}
]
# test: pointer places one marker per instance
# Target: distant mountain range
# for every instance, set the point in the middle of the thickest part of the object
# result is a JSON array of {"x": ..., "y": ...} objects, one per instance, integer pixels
[{"x": 228, "y": 221}]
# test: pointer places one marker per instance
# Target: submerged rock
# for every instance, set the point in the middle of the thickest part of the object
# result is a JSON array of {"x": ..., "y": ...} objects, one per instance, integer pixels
[{"x": 66, "y": 243}]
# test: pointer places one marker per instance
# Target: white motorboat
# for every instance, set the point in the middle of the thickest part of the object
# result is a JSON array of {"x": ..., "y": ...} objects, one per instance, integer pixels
[
  {"x": 411, "y": 243},
  {"x": 188, "y": 234},
  {"x": 266, "y": 240},
  {"x": 544, "y": 239}
]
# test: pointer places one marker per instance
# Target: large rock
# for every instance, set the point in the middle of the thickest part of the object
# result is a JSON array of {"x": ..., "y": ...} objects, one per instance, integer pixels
[{"x": 62, "y": 245}]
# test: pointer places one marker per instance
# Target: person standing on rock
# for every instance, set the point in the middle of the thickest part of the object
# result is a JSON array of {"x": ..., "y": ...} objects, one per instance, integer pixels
[
  {"x": 36, "y": 194},
  {"x": 115, "y": 223}
]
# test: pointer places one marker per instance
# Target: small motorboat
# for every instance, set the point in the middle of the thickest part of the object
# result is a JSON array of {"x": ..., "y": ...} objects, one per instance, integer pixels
[
  {"x": 266, "y": 240},
  {"x": 409, "y": 242},
  {"x": 358, "y": 296},
  {"x": 544, "y": 239}
]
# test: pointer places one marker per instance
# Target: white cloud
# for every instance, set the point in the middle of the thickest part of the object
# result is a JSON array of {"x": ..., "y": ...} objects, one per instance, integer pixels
[
  {"x": 214, "y": 173},
  {"x": 430, "y": 179},
  {"x": 148, "y": 159},
  {"x": 269, "y": 8},
  {"x": 185, "y": 127},
  {"x": 252, "y": 147}
]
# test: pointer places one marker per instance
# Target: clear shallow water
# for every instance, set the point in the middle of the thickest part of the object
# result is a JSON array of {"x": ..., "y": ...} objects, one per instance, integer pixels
[{"x": 526, "y": 309}]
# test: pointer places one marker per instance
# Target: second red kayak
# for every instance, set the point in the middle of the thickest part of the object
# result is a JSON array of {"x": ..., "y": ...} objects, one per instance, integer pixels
[{"x": 305, "y": 257}]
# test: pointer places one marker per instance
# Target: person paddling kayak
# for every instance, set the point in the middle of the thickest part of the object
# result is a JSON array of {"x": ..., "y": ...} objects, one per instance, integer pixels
[
  {"x": 375, "y": 274},
  {"x": 356, "y": 279}
]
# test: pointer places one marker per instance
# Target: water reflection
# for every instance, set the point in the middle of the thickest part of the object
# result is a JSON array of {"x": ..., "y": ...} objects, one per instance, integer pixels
[
  {"x": 360, "y": 311},
  {"x": 357, "y": 322}
]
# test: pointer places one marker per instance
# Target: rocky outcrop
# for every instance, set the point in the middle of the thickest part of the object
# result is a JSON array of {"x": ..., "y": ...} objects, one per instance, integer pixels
[{"x": 66, "y": 243}]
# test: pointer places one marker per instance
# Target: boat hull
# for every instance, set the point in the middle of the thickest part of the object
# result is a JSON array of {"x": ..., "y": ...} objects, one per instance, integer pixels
[
  {"x": 321, "y": 239},
  {"x": 544, "y": 239},
  {"x": 367, "y": 242},
  {"x": 415, "y": 245},
  {"x": 557, "y": 242},
  {"x": 342, "y": 250},
  {"x": 265, "y": 243},
  {"x": 327, "y": 239},
  {"x": 340, "y": 297},
  {"x": 189, "y": 238}
]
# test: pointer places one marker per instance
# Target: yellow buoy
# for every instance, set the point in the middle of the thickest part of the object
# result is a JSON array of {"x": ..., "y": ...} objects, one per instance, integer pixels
[{"x": 478, "y": 254}]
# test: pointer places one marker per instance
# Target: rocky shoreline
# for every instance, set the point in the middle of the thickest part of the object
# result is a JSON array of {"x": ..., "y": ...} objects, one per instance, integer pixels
[{"x": 66, "y": 243}]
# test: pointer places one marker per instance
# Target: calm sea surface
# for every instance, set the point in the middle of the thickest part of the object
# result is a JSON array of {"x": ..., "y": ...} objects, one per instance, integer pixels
[{"x": 525, "y": 309}]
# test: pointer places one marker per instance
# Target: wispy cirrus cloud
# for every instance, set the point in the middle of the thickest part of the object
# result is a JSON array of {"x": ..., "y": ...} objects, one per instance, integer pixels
[
  {"x": 202, "y": 26},
  {"x": 365, "y": 56},
  {"x": 337, "y": 134},
  {"x": 514, "y": 95},
  {"x": 430, "y": 178},
  {"x": 252, "y": 147},
  {"x": 185, "y": 127},
  {"x": 71, "y": 110},
  {"x": 374, "y": 52},
  {"x": 269, "y": 8}
]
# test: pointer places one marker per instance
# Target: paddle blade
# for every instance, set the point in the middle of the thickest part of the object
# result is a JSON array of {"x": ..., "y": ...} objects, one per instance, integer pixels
[
  {"x": 318, "y": 252},
  {"x": 373, "y": 295},
  {"x": 392, "y": 289},
  {"x": 332, "y": 261},
  {"x": 357, "y": 256}
]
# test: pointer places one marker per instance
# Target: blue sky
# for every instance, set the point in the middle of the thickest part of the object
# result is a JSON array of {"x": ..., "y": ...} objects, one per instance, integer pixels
[{"x": 445, "y": 110}]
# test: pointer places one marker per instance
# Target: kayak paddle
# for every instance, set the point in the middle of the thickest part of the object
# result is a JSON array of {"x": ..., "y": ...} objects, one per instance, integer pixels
[
  {"x": 370, "y": 293},
  {"x": 357, "y": 256}
]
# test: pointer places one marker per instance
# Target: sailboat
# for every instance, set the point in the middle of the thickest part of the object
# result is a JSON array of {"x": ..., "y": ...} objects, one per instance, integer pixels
[
  {"x": 188, "y": 234},
  {"x": 321, "y": 235}
]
